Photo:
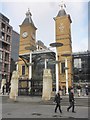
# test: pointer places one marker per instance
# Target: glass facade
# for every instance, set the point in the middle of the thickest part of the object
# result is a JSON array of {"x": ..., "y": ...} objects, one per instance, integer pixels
[
  {"x": 39, "y": 65},
  {"x": 81, "y": 66},
  {"x": 77, "y": 63}
]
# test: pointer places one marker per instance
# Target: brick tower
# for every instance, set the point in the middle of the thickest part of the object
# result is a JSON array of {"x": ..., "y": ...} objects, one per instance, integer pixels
[
  {"x": 27, "y": 39},
  {"x": 63, "y": 35}
]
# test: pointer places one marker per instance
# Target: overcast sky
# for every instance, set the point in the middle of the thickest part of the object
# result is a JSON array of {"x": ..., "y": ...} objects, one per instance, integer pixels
[{"x": 42, "y": 16}]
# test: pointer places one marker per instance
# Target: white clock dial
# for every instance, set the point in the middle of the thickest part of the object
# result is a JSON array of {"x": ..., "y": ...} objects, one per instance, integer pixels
[
  {"x": 25, "y": 34},
  {"x": 61, "y": 27}
]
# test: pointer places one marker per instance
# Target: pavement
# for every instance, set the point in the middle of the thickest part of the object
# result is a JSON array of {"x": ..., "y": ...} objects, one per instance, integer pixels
[
  {"x": 19, "y": 110},
  {"x": 34, "y": 107}
]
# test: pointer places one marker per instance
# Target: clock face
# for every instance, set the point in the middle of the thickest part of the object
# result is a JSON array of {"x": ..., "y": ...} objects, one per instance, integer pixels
[
  {"x": 25, "y": 34},
  {"x": 61, "y": 27}
]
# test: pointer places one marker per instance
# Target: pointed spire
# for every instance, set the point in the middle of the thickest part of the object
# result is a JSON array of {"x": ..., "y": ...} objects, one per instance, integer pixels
[
  {"x": 62, "y": 11},
  {"x": 28, "y": 19}
]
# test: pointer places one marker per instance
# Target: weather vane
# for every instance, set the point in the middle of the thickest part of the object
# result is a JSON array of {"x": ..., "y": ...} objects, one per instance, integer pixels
[
  {"x": 28, "y": 12},
  {"x": 62, "y": 5}
]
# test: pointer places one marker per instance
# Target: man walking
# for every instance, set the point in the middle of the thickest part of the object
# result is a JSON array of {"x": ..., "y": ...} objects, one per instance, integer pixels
[
  {"x": 3, "y": 88},
  {"x": 79, "y": 90},
  {"x": 58, "y": 100},
  {"x": 71, "y": 100},
  {"x": 86, "y": 89}
]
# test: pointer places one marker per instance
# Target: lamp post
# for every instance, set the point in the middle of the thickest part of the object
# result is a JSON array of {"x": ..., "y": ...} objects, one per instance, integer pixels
[
  {"x": 66, "y": 70},
  {"x": 56, "y": 44},
  {"x": 32, "y": 48},
  {"x": 46, "y": 63}
]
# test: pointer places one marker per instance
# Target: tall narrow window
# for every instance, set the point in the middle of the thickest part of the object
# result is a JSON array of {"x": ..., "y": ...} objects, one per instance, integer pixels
[
  {"x": 63, "y": 67},
  {"x": 23, "y": 69},
  {"x": 0, "y": 54}
]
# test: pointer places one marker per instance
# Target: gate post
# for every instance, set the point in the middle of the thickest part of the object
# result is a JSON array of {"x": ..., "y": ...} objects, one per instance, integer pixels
[
  {"x": 14, "y": 86},
  {"x": 47, "y": 84}
]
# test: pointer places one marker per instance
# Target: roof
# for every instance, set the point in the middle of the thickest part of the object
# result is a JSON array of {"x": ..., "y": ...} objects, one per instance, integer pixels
[
  {"x": 3, "y": 17},
  {"x": 62, "y": 12},
  {"x": 28, "y": 19}
]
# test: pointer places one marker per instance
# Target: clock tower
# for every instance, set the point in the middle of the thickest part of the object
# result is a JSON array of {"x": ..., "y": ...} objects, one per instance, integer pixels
[
  {"x": 27, "y": 39},
  {"x": 63, "y": 35}
]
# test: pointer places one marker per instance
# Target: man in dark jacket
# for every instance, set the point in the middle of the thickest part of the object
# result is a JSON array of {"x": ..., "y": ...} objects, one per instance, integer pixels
[
  {"x": 71, "y": 100},
  {"x": 3, "y": 88},
  {"x": 57, "y": 100}
]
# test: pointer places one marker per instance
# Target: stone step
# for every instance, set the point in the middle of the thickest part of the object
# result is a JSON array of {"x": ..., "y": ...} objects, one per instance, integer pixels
[
  {"x": 65, "y": 102},
  {"x": 38, "y": 100}
]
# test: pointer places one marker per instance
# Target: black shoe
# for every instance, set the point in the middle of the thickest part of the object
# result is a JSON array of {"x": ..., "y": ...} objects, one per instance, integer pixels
[
  {"x": 67, "y": 109},
  {"x": 73, "y": 111},
  {"x": 61, "y": 112}
]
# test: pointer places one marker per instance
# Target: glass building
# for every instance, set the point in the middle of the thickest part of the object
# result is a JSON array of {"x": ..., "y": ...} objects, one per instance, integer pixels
[
  {"x": 41, "y": 59},
  {"x": 81, "y": 67}
]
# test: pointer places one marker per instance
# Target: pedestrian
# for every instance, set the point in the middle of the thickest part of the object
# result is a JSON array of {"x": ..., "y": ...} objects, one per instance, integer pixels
[
  {"x": 3, "y": 88},
  {"x": 71, "y": 100},
  {"x": 9, "y": 89},
  {"x": 86, "y": 89},
  {"x": 79, "y": 90},
  {"x": 58, "y": 101}
]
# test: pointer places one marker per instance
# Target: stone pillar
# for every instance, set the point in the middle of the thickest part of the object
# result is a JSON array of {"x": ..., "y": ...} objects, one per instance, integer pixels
[
  {"x": 14, "y": 86},
  {"x": 47, "y": 84}
]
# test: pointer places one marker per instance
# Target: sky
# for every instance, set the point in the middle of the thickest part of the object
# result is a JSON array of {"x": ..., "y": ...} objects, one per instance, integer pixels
[{"x": 43, "y": 13}]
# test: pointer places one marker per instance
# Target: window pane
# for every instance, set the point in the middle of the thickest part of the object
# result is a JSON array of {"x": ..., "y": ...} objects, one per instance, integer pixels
[
  {"x": 63, "y": 67},
  {"x": 77, "y": 63},
  {"x": 23, "y": 70}
]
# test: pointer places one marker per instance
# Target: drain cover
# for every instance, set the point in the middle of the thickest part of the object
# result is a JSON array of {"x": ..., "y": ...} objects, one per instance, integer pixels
[
  {"x": 38, "y": 114},
  {"x": 9, "y": 113},
  {"x": 56, "y": 116}
]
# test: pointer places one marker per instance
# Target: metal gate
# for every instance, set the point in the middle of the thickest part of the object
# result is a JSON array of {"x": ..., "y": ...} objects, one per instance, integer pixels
[{"x": 30, "y": 87}]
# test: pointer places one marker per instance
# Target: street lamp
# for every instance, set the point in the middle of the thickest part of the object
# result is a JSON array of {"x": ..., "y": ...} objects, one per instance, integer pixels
[
  {"x": 32, "y": 48},
  {"x": 46, "y": 60},
  {"x": 56, "y": 44},
  {"x": 66, "y": 69}
]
